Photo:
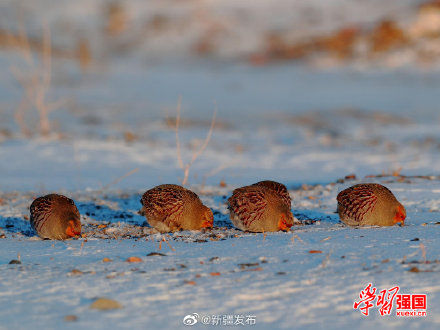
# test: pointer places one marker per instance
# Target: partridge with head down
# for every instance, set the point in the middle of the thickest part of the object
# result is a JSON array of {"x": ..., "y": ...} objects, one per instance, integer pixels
[
  {"x": 369, "y": 204},
  {"x": 171, "y": 208},
  {"x": 55, "y": 217},
  {"x": 261, "y": 207}
]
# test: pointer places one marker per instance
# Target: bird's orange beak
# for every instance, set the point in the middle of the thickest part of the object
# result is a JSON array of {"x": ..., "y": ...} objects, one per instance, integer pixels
[
  {"x": 400, "y": 216},
  {"x": 208, "y": 219},
  {"x": 283, "y": 224},
  {"x": 207, "y": 224},
  {"x": 71, "y": 230}
]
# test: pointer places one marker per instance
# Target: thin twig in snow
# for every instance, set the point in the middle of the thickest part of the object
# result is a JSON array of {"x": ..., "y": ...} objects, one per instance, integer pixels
[
  {"x": 36, "y": 82},
  {"x": 117, "y": 180},
  {"x": 186, "y": 167},
  {"x": 422, "y": 247}
]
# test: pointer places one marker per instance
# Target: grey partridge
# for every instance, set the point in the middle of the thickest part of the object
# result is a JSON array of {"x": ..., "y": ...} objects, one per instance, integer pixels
[
  {"x": 261, "y": 207},
  {"x": 55, "y": 217},
  {"x": 171, "y": 208},
  {"x": 369, "y": 204}
]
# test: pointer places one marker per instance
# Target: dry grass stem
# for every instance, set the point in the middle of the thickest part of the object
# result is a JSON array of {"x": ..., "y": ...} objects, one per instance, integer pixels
[
  {"x": 35, "y": 77},
  {"x": 116, "y": 181},
  {"x": 186, "y": 167},
  {"x": 423, "y": 249},
  {"x": 169, "y": 245}
]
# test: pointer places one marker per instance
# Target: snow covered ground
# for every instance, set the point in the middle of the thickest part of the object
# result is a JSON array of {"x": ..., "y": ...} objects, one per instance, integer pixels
[
  {"x": 308, "y": 127},
  {"x": 220, "y": 272}
]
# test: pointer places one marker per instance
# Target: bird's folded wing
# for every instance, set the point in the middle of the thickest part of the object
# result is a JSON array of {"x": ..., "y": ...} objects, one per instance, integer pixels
[
  {"x": 248, "y": 204},
  {"x": 279, "y": 189},
  {"x": 356, "y": 201},
  {"x": 165, "y": 203}
]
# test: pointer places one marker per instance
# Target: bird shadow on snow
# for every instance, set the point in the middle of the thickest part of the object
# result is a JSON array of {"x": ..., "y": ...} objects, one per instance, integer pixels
[
  {"x": 309, "y": 217},
  {"x": 220, "y": 212},
  {"x": 222, "y": 220},
  {"x": 16, "y": 226},
  {"x": 103, "y": 213}
]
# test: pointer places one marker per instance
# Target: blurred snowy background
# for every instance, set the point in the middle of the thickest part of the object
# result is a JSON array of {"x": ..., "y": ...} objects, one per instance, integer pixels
[
  {"x": 305, "y": 91},
  {"x": 316, "y": 94}
]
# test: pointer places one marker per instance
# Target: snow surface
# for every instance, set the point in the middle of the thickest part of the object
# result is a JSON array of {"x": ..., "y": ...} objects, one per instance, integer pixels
[
  {"x": 272, "y": 276},
  {"x": 300, "y": 125},
  {"x": 390, "y": 127}
]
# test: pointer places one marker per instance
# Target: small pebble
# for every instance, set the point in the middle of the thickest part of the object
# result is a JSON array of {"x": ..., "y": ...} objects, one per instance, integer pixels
[
  {"x": 75, "y": 272},
  {"x": 70, "y": 318},
  {"x": 133, "y": 259},
  {"x": 155, "y": 254},
  {"x": 104, "y": 304}
]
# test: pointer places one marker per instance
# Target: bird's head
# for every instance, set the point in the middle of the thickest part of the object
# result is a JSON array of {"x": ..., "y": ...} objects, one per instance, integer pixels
[
  {"x": 400, "y": 215},
  {"x": 73, "y": 228},
  {"x": 285, "y": 221},
  {"x": 207, "y": 218}
]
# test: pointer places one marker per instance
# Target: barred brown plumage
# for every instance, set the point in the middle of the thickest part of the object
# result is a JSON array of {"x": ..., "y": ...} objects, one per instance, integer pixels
[
  {"x": 55, "y": 217},
  {"x": 171, "y": 207},
  {"x": 369, "y": 204},
  {"x": 263, "y": 206},
  {"x": 279, "y": 188}
]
